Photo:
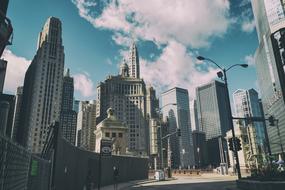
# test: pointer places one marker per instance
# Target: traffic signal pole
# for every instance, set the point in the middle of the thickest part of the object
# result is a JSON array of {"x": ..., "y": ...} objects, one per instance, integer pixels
[
  {"x": 272, "y": 121},
  {"x": 231, "y": 123}
]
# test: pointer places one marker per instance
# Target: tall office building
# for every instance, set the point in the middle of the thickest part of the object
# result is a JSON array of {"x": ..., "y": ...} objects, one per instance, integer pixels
[
  {"x": 68, "y": 117},
  {"x": 246, "y": 104},
  {"x": 126, "y": 95},
  {"x": 269, "y": 60},
  {"x": 179, "y": 117},
  {"x": 42, "y": 88},
  {"x": 3, "y": 67},
  {"x": 10, "y": 100},
  {"x": 76, "y": 105},
  {"x": 152, "y": 103},
  {"x": 17, "y": 111},
  {"x": 134, "y": 64},
  {"x": 194, "y": 115},
  {"x": 213, "y": 118},
  {"x": 86, "y": 125}
]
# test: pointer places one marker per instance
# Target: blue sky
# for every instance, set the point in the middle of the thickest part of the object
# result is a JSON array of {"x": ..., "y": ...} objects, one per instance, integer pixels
[{"x": 169, "y": 34}]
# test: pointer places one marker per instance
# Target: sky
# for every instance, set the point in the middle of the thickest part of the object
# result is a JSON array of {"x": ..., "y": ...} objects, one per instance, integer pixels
[{"x": 169, "y": 35}]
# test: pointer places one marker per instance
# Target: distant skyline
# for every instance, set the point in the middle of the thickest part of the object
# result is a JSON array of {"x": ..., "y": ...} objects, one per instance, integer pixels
[{"x": 169, "y": 35}]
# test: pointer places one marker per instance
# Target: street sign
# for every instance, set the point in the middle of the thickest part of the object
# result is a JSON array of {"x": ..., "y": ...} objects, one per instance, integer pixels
[{"x": 106, "y": 147}]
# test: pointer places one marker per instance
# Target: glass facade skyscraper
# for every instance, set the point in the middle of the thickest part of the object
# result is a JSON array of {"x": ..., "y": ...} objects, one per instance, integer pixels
[
  {"x": 270, "y": 60},
  {"x": 179, "y": 117},
  {"x": 213, "y": 119},
  {"x": 247, "y": 104}
]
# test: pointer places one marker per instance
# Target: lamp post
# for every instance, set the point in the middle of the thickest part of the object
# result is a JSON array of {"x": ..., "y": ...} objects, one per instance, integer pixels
[
  {"x": 161, "y": 147},
  {"x": 222, "y": 74}
]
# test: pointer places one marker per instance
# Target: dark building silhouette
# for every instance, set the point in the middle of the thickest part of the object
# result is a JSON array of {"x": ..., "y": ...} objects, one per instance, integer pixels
[
  {"x": 6, "y": 28},
  {"x": 16, "y": 118},
  {"x": 213, "y": 119},
  {"x": 68, "y": 117},
  {"x": 9, "y": 100},
  {"x": 200, "y": 148},
  {"x": 42, "y": 90}
]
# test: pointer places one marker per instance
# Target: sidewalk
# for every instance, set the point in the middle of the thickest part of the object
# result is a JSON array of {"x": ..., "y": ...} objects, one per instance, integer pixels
[{"x": 123, "y": 186}]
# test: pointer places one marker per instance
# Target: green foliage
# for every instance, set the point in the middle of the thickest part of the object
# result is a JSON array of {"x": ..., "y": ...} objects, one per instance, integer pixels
[{"x": 268, "y": 173}]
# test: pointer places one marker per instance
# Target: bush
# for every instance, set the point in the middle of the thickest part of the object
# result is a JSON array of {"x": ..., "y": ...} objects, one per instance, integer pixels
[{"x": 267, "y": 174}]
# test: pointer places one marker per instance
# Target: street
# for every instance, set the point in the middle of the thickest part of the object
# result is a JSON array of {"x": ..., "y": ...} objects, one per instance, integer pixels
[{"x": 204, "y": 182}]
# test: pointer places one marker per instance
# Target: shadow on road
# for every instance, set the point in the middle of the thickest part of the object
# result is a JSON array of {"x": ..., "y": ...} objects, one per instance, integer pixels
[{"x": 222, "y": 185}]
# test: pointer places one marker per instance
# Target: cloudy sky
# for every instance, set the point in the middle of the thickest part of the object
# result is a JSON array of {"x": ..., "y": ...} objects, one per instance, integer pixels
[{"x": 169, "y": 35}]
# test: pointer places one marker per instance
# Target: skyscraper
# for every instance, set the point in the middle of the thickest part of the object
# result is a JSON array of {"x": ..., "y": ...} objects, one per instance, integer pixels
[
  {"x": 76, "y": 105},
  {"x": 17, "y": 111},
  {"x": 194, "y": 115},
  {"x": 3, "y": 67},
  {"x": 246, "y": 104},
  {"x": 269, "y": 60},
  {"x": 134, "y": 64},
  {"x": 10, "y": 99},
  {"x": 86, "y": 125},
  {"x": 68, "y": 117},
  {"x": 126, "y": 95},
  {"x": 42, "y": 88},
  {"x": 179, "y": 117},
  {"x": 213, "y": 118}
]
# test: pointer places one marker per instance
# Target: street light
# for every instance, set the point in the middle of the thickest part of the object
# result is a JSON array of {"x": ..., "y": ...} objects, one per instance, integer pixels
[{"x": 222, "y": 74}]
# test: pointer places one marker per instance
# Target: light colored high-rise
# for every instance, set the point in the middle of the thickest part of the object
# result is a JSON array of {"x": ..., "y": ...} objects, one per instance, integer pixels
[
  {"x": 134, "y": 64},
  {"x": 246, "y": 104},
  {"x": 213, "y": 118},
  {"x": 86, "y": 124},
  {"x": 269, "y": 60},
  {"x": 126, "y": 95},
  {"x": 42, "y": 88},
  {"x": 194, "y": 115},
  {"x": 179, "y": 117}
]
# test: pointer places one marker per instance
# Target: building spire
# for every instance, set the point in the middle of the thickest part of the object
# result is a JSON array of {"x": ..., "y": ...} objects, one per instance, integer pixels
[
  {"x": 134, "y": 64},
  {"x": 67, "y": 73}
]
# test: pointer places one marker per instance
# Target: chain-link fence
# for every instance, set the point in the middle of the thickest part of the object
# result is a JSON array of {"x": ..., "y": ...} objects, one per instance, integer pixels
[
  {"x": 21, "y": 170},
  {"x": 14, "y": 165}
]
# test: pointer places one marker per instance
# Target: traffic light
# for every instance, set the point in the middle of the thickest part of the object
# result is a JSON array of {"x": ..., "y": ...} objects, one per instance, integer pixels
[
  {"x": 271, "y": 121},
  {"x": 178, "y": 132},
  {"x": 238, "y": 144},
  {"x": 231, "y": 147}
]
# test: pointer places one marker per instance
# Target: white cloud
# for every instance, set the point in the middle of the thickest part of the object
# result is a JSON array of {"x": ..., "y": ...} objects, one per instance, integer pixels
[
  {"x": 248, "y": 25},
  {"x": 175, "y": 24},
  {"x": 189, "y": 22},
  {"x": 175, "y": 67},
  {"x": 84, "y": 84},
  {"x": 15, "y": 72},
  {"x": 249, "y": 59}
]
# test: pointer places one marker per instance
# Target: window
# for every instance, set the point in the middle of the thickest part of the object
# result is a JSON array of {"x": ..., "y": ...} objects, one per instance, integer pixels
[
  {"x": 120, "y": 135},
  {"x": 107, "y": 134},
  {"x": 113, "y": 134}
]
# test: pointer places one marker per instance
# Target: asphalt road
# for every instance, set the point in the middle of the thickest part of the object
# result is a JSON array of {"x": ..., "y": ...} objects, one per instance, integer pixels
[{"x": 191, "y": 183}]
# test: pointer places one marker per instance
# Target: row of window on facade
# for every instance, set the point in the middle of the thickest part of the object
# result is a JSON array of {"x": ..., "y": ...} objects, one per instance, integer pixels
[
  {"x": 124, "y": 89},
  {"x": 114, "y": 135}
]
